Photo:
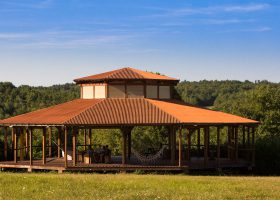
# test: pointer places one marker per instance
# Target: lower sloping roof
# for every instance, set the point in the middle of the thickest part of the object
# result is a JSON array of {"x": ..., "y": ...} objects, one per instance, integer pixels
[
  {"x": 138, "y": 111},
  {"x": 191, "y": 114}
]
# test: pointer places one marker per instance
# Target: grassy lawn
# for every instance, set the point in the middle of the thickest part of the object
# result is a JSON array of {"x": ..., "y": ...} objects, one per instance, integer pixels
[{"x": 131, "y": 186}]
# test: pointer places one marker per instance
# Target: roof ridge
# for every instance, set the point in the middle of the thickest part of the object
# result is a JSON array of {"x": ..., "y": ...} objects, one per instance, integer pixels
[
  {"x": 71, "y": 118},
  {"x": 151, "y": 101},
  {"x": 125, "y": 73},
  {"x": 113, "y": 72},
  {"x": 125, "y": 68},
  {"x": 138, "y": 71}
]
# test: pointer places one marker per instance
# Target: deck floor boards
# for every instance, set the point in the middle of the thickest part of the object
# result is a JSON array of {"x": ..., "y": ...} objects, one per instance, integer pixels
[{"x": 58, "y": 164}]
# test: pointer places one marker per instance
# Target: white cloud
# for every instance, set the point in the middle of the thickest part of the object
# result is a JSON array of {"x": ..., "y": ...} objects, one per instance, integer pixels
[
  {"x": 227, "y": 21},
  {"x": 260, "y": 29},
  {"x": 245, "y": 8},
  {"x": 13, "y": 36},
  {"x": 60, "y": 39},
  {"x": 16, "y": 5}
]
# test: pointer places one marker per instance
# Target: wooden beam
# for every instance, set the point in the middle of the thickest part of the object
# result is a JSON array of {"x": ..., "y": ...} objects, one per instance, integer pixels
[
  {"x": 218, "y": 146},
  {"x": 50, "y": 141},
  {"x": 74, "y": 141},
  {"x": 65, "y": 147},
  {"x": 124, "y": 141},
  {"x": 5, "y": 143},
  {"x": 15, "y": 144},
  {"x": 59, "y": 142},
  {"x": 44, "y": 146},
  {"x": 180, "y": 147},
  {"x": 31, "y": 146}
]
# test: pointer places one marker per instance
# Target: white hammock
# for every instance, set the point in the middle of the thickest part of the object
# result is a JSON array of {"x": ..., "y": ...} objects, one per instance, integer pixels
[{"x": 149, "y": 158}]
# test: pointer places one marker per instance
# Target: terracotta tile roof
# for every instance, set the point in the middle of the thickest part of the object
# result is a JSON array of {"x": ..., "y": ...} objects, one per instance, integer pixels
[
  {"x": 53, "y": 115},
  {"x": 124, "y": 111},
  {"x": 110, "y": 112},
  {"x": 191, "y": 114},
  {"x": 124, "y": 74}
]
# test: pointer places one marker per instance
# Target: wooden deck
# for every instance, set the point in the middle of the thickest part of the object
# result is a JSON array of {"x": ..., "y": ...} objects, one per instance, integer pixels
[{"x": 57, "y": 164}]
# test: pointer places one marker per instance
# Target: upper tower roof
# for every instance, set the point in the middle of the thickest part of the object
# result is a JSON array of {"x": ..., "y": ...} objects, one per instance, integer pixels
[{"x": 126, "y": 73}]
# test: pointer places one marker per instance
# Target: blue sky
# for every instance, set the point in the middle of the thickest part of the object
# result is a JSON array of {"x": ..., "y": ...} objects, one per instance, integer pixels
[{"x": 47, "y": 42}]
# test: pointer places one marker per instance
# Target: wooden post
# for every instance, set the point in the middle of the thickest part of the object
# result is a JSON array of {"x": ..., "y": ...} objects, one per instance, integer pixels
[
  {"x": 125, "y": 89},
  {"x": 5, "y": 143},
  {"x": 15, "y": 144},
  {"x": 158, "y": 90},
  {"x": 31, "y": 146},
  {"x": 44, "y": 146},
  {"x": 124, "y": 137},
  {"x": 189, "y": 133},
  {"x": 26, "y": 142},
  {"x": 173, "y": 145},
  {"x": 59, "y": 142},
  {"x": 169, "y": 140},
  {"x": 243, "y": 134},
  {"x": 21, "y": 144},
  {"x": 198, "y": 139},
  {"x": 180, "y": 147},
  {"x": 206, "y": 137},
  {"x": 253, "y": 146},
  {"x": 208, "y": 140},
  {"x": 229, "y": 140},
  {"x": 65, "y": 147},
  {"x": 218, "y": 147},
  {"x": 236, "y": 142},
  {"x": 50, "y": 141},
  {"x": 248, "y": 135},
  {"x": 129, "y": 144},
  {"x": 85, "y": 139},
  {"x": 74, "y": 147},
  {"x": 145, "y": 89},
  {"x": 13, "y": 138},
  {"x": 90, "y": 137}
]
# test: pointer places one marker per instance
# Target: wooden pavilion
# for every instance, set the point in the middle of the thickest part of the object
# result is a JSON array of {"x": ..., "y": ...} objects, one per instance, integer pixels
[{"x": 123, "y": 99}]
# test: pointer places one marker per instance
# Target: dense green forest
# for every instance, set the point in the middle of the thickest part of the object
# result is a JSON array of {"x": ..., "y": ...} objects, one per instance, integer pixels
[{"x": 259, "y": 101}]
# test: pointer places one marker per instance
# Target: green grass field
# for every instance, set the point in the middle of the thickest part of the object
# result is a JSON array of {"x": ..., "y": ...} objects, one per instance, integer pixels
[{"x": 132, "y": 186}]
